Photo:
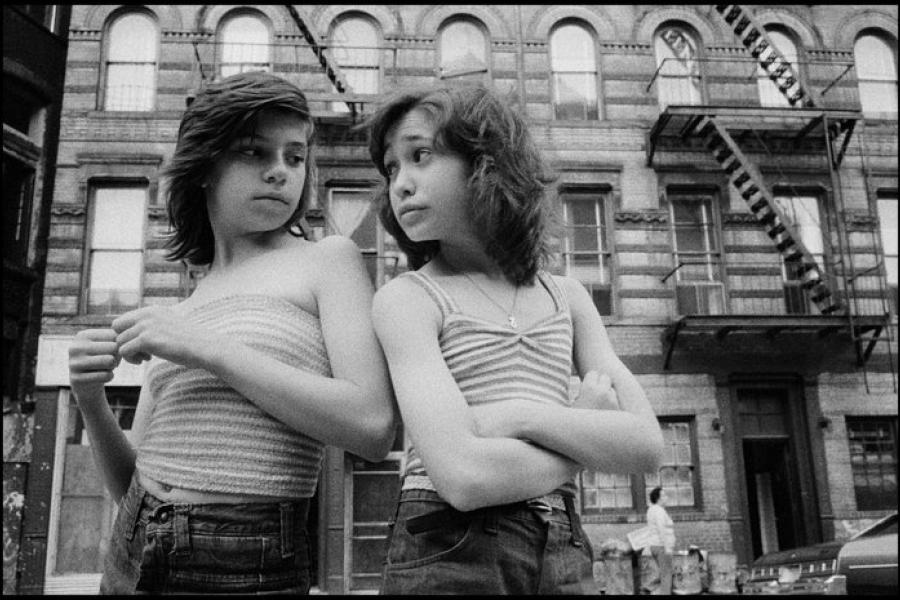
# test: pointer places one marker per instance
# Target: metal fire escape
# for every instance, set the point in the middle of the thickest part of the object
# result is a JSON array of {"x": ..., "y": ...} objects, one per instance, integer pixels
[{"x": 722, "y": 131}]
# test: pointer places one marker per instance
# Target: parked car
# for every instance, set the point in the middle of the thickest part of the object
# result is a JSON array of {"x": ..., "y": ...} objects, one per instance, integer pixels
[{"x": 864, "y": 564}]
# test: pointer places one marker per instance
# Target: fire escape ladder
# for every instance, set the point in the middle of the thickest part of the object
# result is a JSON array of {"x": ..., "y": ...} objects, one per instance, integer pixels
[
  {"x": 331, "y": 71},
  {"x": 776, "y": 66},
  {"x": 749, "y": 183}
]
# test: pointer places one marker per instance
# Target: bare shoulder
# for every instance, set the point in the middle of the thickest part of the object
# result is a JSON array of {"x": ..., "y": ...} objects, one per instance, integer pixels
[
  {"x": 401, "y": 302},
  {"x": 571, "y": 287},
  {"x": 337, "y": 248}
]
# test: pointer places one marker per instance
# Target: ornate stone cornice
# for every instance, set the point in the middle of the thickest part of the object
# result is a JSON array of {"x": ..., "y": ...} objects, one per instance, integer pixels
[
  {"x": 739, "y": 218},
  {"x": 658, "y": 217},
  {"x": 67, "y": 210}
]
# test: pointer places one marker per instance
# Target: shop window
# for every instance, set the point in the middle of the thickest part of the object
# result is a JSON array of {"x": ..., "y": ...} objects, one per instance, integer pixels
[
  {"x": 131, "y": 63},
  {"x": 873, "y": 459},
  {"x": 586, "y": 253},
  {"x": 574, "y": 76},
  {"x": 116, "y": 249}
]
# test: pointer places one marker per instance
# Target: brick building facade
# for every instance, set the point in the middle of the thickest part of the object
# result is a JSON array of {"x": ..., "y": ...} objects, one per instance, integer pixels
[{"x": 727, "y": 176}]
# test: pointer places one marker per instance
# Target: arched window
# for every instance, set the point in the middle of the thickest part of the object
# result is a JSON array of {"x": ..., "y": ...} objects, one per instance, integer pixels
[
  {"x": 245, "y": 45},
  {"x": 354, "y": 43},
  {"x": 678, "y": 77},
  {"x": 573, "y": 63},
  {"x": 876, "y": 72},
  {"x": 131, "y": 63},
  {"x": 769, "y": 94},
  {"x": 463, "y": 51}
]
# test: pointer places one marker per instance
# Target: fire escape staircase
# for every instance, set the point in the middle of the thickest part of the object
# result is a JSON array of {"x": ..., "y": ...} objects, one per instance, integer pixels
[{"x": 838, "y": 128}]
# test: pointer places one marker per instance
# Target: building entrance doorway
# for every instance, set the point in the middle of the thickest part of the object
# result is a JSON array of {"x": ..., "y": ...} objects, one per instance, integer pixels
[
  {"x": 771, "y": 495},
  {"x": 777, "y": 503}
]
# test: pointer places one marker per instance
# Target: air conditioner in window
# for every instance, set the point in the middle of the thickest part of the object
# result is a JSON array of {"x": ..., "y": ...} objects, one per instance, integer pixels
[{"x": 700, "y": 298}]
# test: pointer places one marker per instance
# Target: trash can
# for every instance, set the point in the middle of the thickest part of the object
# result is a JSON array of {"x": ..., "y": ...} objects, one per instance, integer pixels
[
  {"x": 723, "y": 573},
  {"x": 686, "y": 573},
  {"x": 613, "y": 571}
]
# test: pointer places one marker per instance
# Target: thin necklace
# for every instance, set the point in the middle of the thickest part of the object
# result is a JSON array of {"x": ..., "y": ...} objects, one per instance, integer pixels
[{"x": 510, "y": 315}]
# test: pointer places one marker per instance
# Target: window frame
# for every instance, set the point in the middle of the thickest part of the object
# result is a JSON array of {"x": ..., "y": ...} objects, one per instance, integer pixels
[
  {"x": 640, "y": 488},
  {"x": 792, "y": 286},
  {"x": 477, "y": 75},
  {"x": 87, "y": 256},
  {"x": 888, "y": 196},
  {"x": 67, "y": 417},
  {"x": 762, "y": 78},
  {"x": 712, "y": 257},
  {"x": 385, "y": 250},
  {"x": 103, "y": 98},
  {"x": 891, "y": 422},
  {"x": 693, "y": 37},
  {"x": 598, "y": 87},
  {"x": 335, "y": 47},
  {"x": 891, "y": 44},
  {"x": 606, "y": 245},
  {"x": 221, "y": 44}
]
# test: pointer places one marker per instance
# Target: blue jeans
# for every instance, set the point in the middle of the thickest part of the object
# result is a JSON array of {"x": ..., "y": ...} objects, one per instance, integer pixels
[
  {"x": 509, "y": 549},
  {"x": 249, "y": 548}
]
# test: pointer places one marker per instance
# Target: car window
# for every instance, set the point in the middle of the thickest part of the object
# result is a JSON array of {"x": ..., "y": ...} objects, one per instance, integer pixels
[{"x": 887, "y": 526}]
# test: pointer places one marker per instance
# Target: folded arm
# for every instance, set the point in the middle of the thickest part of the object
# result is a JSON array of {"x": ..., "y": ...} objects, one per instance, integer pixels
[
  {"x": 623, "y": 440},
  {"x": 469, "y": 471}
]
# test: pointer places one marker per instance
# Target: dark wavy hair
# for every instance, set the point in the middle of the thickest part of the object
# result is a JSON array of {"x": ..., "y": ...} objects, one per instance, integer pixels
[
  {"x": 508, "y": 175},
  {"x": 221, "y": 112}
]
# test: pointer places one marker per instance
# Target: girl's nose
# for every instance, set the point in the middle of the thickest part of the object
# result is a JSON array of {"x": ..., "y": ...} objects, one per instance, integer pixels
[
  {"x": 276, "y": 172},
  {"x": 402, "y": 185}
]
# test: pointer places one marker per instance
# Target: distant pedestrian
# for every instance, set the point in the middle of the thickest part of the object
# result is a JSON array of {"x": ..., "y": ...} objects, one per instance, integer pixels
[{"x": 662, "y": 544}]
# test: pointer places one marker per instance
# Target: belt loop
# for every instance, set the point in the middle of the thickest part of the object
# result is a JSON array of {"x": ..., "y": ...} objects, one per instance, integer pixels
[
  {"x": 574, "y": 521},
  {"x": 181, "y": 529},
  {"x": 286, "y": 510},
  {"x": 491, "y": 523}
]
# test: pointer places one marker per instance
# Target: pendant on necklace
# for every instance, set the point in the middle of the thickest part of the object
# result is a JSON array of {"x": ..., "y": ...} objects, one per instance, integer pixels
[{"x": 512, "y": 321}]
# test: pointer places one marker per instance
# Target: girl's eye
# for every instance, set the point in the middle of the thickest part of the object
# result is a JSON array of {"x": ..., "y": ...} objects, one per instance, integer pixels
[
  {"x": 390, "y": 169},
  {"x": 421, "y": 153},
  {"x": 296, "y": 159},
  {"x": 248, "y": 151}
]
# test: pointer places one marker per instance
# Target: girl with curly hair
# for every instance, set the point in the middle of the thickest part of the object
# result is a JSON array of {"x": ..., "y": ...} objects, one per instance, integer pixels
[{"x": 481, "y": 341}]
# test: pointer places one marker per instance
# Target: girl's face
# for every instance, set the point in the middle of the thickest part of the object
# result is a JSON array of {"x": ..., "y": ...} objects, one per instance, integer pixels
[
  {"x": 256, "y": 184},
  {"x": 428, "y": 185}
]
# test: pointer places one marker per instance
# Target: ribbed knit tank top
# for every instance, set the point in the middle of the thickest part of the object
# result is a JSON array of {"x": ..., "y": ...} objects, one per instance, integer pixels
[
  {"x": 204, "y": 435},
  {"x": 492, "y": 362}
]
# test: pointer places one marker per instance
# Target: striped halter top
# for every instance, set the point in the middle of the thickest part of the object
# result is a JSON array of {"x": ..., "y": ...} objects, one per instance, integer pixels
[
  {"x": 204, "y": 435},
  {"x": 492, "y": 362}
]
